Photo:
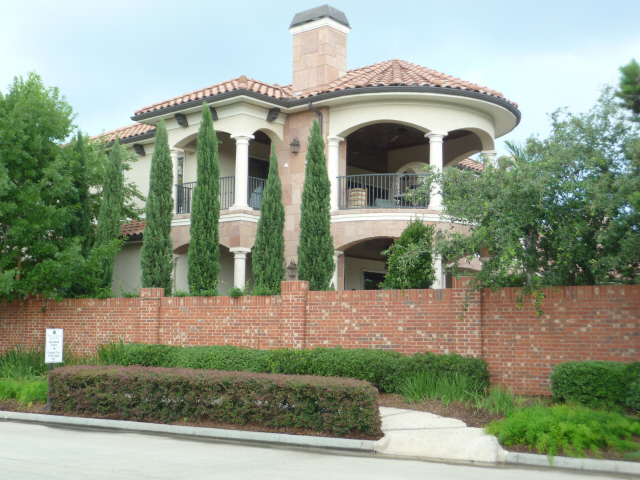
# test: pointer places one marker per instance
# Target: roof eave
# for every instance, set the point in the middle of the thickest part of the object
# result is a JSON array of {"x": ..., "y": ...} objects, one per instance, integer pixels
[{"x": 295, "y": 102}]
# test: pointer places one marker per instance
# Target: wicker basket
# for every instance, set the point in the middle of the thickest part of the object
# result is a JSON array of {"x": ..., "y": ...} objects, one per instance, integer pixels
[{"x": 357, "y": 197}]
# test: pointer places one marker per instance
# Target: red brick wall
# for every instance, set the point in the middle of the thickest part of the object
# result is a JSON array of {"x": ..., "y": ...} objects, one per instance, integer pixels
[
  {"x": 578, "y": 323},
  {"x": 521, "y": 348}
]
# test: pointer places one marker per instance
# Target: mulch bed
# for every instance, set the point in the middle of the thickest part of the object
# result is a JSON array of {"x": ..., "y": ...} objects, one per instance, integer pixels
[
  {"x": 459, "y": 410},
  {"x": 470, "y": 416}
]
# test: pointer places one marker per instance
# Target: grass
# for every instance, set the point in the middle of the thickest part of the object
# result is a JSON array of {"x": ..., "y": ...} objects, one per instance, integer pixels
[
  {"x": 23, "y": 373},
  {"x": 427, "y": 385},
  {"x": 572, "y": 429},
  {"x": 25, "y": 391}
]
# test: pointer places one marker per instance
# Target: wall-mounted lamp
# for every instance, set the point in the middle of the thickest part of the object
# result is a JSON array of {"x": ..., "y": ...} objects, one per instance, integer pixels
[
  {"x": 292, "y": 269},
  {"x": 295, "y": 146}
]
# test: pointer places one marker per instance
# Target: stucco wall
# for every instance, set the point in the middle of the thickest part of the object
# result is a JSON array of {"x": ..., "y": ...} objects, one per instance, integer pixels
[
  {"x": 354, "y": 268},
  {"x": 126, "y": 269}
]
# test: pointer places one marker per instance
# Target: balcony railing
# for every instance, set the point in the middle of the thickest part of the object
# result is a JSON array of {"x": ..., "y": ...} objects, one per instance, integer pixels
[
  {"x": 382, "y": 190},
  {"x": 184, "y": 193}
]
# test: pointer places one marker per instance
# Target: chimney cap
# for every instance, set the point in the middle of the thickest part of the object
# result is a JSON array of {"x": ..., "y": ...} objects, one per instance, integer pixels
[{"x": 313, "y": 14}]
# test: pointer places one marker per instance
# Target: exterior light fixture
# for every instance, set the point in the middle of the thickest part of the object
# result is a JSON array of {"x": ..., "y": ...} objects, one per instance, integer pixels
[
  {"x": 292, "y": 269},
  {"x": 295, "y": 148}
]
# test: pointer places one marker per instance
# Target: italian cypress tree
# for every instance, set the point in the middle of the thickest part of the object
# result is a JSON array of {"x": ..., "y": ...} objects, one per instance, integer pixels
[
  {"x": 268, "y": 251},
  {"x": 157, "y": 247},
  {"x": 80, "y": 224},
  {"x": 204, "y": 248},
  {"x": 315, "y": 247},
  {"x": 110, "y": 216}
]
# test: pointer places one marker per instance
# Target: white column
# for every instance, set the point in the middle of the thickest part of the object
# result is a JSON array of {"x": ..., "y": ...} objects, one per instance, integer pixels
[
  {"x": 175, "y": 154},
  {"x": 334, "y": 279},
  {"x": 490, "y": 156},
  {"x": 239, "y": 265},
  {"x": 334, "y": 171},
  {"x": 242, "y": 171},
  {"x": 436, "y": 159},
  {"x": 438, "y": 266}
]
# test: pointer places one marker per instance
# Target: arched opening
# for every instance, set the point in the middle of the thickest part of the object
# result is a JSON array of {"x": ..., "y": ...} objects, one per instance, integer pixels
[
  {"x": 257, "y": 170},
  {"x": 364, "y": 266},
  {"x": 385, "y": 164}
]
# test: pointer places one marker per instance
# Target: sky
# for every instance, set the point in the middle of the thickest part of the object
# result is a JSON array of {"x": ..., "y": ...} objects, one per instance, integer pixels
[{"x": 112, "y": 58}]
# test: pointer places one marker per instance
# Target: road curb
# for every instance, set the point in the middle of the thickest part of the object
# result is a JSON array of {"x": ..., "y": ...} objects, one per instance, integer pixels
[
  {"x": 203, "y": 432},
  {"x": 584, "y": 464}
]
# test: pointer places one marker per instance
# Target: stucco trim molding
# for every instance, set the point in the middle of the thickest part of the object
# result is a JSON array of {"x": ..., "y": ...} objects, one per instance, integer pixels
[
  {"x": 372, "y": 217},
  {"x": 232, "y": 217}
]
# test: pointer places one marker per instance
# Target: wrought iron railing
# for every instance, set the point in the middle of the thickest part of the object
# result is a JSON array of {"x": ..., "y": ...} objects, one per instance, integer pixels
[
  {"x": 184, "y": 194},
  {"x": 255, "y": 191},
  {"x": 381, "y": 190}
]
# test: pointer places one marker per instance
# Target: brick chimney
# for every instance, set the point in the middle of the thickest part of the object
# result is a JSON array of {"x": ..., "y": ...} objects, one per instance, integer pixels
[{"x": 319, "y": 47}]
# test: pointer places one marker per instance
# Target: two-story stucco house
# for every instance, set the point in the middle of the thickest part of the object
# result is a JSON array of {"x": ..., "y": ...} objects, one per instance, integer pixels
[{"x": 381, "y": 124}]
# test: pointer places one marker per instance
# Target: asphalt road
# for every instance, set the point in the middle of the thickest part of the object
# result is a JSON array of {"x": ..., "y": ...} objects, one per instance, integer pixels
[{"x": 29, "y": 451}]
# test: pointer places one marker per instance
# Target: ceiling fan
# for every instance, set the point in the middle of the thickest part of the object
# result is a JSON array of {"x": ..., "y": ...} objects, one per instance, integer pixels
[{"x": 401, "y": 132}]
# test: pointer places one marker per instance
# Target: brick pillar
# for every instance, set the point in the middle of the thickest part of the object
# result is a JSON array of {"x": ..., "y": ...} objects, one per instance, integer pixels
[
  {"x": 149, "y": 321},
  {"x": 293, "y": 314}
]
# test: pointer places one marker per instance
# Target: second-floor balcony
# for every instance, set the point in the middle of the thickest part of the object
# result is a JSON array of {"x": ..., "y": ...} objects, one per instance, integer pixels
[
  {"x": 381, "y": 190},
  {"x": 255, "y": 189}
]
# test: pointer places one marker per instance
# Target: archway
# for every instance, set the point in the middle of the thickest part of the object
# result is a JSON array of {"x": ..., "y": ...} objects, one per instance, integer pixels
[{"x": 363, "y": 264}]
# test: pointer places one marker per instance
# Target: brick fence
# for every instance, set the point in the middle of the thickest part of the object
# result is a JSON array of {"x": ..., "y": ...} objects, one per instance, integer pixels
[{"x": 521, "y": 348}]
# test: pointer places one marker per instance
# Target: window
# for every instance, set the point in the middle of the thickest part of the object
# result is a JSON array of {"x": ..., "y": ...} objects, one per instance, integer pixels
[{"x": 371, "y": 279}]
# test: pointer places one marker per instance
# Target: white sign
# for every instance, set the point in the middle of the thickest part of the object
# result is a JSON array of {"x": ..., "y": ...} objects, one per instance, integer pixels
[{"x": 53, "y": 346}]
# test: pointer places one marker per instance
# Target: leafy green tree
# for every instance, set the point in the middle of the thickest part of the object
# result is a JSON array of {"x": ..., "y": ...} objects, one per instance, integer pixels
[
  {"x": 268, "y": 251},
  {"x": 410, "y": 258},
  {"x": 558, "y": 211},
  {"x": 204, "y": 247},
  {"x": 110, "y": 217},
  {"x": 157, "y": 247},
  {"x": 315, "y": 247},
  {"x": 629, "y": 88},
  {"x": 38, "y": 199}
]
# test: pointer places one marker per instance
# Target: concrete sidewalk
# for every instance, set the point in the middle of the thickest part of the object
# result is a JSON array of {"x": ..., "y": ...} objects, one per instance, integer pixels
[{"x": 409, "y": 433}]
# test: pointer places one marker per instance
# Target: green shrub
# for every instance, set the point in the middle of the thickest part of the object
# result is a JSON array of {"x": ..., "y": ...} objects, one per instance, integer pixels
[
  {"x": 23, "y": 363},
  {"x": 25, "y": 391},
  {"x": 146, "y": 355},
  {"x": 574, "y": 429},
  {"x": 385, "y": 369},
  {"x": 498, "y": 399},
  {"x": 223, "y": 357},
  {"x": 333, "y": 405},
  {"x": 110, "y": 353},
  {"x": 592, "y": 384},
  {"x": 181, "y": 293},
  {"x": 633, "y": 395}
]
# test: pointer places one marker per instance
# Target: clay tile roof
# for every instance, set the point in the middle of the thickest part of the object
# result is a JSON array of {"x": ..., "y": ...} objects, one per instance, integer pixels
[
  {"x": 238, "y": 83},
  {"x": 399, "y": 72},
  {"x": 134, "y": 227},
  {"x": 470, "y": 164},
  {"x": 129, "y": 131}
]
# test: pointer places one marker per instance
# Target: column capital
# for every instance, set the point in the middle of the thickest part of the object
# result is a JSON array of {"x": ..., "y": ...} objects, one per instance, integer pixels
[
  {"x": 436, "y": 135},
  {"x": 240, "y": 251},
  {"x": 334, "y": 140},
  {"x": 176, "y": 151},
  {"x": 242, "y": 138}
]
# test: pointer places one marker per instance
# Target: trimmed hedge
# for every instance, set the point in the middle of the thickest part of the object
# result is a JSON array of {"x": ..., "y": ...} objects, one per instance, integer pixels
[
  {"x": 337, "y": 406},
  {"x": 594, "y": 384},
  {"x": 385, "y": 369}
]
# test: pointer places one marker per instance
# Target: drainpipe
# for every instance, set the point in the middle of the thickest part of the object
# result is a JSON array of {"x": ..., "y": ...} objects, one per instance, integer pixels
[{"x": 313, "y": 109}]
